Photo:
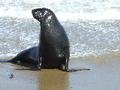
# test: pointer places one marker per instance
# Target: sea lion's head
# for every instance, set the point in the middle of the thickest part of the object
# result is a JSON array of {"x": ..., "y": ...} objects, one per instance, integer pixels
[{"x": 42, "y": 14}]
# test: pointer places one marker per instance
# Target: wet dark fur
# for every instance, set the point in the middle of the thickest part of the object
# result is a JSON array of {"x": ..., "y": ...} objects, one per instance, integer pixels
[
  {"x": 28, "y": 57},
  {"x": 53, "y": 40}
]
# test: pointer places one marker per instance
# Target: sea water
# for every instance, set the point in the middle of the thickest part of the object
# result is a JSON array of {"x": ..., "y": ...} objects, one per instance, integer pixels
[{"x": 93, "y": 26}]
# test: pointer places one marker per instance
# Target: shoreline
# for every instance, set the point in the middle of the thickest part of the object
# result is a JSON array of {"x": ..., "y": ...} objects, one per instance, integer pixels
[{"x": 104, "y": 73}]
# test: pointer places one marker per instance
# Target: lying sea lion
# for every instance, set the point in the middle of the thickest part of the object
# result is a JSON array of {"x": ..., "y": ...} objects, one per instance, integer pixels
[{"x": 27, "y": 57}]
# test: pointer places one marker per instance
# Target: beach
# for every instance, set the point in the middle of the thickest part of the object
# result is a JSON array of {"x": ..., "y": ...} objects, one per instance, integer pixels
[
  {"x": 93, "y": 29},
  {"x": 104, "y": 74}
]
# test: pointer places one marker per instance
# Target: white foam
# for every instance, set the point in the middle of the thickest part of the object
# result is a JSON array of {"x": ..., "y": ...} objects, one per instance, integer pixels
[
  {"x": 8, "y": 55},
  {"x": 15, "y": 12},
  {"x": 20, "y": 13},
  {"x": 64, "y": 10},
  {"x": 109, "y": 14}
]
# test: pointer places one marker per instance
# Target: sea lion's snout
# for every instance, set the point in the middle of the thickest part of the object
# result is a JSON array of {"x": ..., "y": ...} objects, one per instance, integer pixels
[{"x": 37, "y": 14}]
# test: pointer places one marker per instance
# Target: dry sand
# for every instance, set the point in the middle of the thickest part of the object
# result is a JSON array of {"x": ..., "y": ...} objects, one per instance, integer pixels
[{"x": 104, "y": 75}]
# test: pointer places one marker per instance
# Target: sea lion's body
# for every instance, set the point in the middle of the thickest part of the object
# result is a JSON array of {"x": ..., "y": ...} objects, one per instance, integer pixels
[
  {"x": 53, "y": 40},
  {"x": 29, "y": 56}
]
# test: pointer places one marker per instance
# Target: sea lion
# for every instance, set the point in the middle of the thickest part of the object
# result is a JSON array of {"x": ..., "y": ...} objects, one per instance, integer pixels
[
  {"x": 27, "y": 57},
  {"x": 53, "y": 40},
  {"x": 53, "y": 49}
]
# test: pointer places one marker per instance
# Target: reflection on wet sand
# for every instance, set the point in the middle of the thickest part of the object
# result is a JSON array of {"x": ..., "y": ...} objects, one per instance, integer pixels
[{"x": 53, "y": 80}]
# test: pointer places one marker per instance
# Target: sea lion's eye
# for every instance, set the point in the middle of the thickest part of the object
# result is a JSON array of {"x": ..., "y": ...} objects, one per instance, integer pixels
[
  {"x": 36, "y": 13},
  {"x": 45, "y": 13}
]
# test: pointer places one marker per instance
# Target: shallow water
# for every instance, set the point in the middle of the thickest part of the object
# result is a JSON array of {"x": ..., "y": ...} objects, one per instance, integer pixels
[
  {"x": 65, "y": 10},
  {"x": 86, "y": 37}
]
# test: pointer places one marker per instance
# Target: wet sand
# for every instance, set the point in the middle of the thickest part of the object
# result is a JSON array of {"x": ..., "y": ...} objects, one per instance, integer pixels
[{"x": 104, "y": 75}]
